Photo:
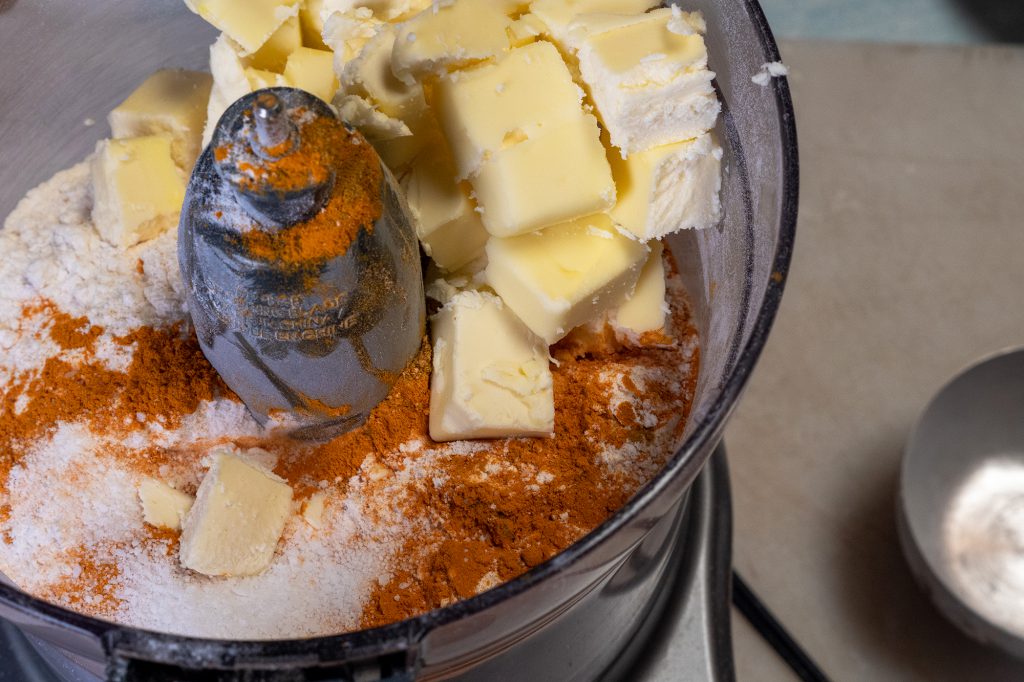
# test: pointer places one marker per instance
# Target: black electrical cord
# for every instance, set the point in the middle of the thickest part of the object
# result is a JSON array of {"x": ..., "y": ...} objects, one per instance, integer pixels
[{"x": 754, "y": 610}]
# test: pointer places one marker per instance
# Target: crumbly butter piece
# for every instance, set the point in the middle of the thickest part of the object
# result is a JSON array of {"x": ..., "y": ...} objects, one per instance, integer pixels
[
  {"x": 250, "y": 23},
  {"x": 170, "y": 102},
  {"x": 137, "y": 189},
  {"x": 375, "y": 126},
  {"x": 162, "y": 505},
  {"x": 644, "y": 310},
  {"x": 497, "y": 106},
  {"x": 369, "y": 76},
  {"x": 633, "y": 66},
  {"x": 525, "y": 30},
  {"x": 313, "y": 511},
  {"x": 565, "y": 276},
  {"x": 447, "y": 222},
  {"x": 558, "y": 14},
  {"x": 446, "y": 36},
  {"x": 346, "y": 32},
  {"x": 555, "y": 177},
  {"x": 311, "y": 21},
  {"x": 237, "y": 520},
  {"x": 260, "y": 78},
  {"x": 313, "y": 71},
  {"x": 230, "y": 82},
  {"x": 274, "y": 53},
  {"x": 491, "y": 376},
  {"x": 669, "y": 188}
]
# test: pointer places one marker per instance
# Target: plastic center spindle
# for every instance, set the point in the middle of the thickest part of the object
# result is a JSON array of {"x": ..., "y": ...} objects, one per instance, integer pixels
[{"x": 308, "y": 300}]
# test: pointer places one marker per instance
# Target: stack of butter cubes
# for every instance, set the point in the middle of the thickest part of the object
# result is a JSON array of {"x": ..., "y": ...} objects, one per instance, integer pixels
[
  {"x": 139, "y": 175},
  {"x": 545, "y": 148}
]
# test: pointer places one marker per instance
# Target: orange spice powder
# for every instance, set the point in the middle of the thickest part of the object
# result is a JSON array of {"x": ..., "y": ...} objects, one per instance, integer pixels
[
  {"x": 327, "y": 148},
  {"x": 167, "y": 377},
  {"x": 489, "y": 522}
]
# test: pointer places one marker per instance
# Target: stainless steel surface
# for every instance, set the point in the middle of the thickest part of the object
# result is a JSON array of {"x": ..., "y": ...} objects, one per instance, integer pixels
[{"x": 962, "y": 500}]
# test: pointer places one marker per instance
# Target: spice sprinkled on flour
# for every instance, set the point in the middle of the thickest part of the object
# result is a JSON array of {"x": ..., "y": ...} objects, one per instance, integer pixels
[{"x": 402, "y": 516}]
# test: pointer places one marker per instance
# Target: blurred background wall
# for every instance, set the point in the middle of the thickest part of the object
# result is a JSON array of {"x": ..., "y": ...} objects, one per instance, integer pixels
[{"x": 904, "y": 21}]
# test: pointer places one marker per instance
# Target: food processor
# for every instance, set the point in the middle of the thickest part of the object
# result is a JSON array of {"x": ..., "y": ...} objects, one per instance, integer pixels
[{"x": 607, "y": 606}]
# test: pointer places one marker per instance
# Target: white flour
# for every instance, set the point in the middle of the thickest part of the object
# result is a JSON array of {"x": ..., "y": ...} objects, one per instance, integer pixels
[
  {"x": 984, "y": 538},
  {"x": 69, "y": 493}
]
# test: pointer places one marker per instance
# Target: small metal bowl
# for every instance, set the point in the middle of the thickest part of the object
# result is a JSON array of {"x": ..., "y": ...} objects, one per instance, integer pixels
[{"x": 961, "y": 505}]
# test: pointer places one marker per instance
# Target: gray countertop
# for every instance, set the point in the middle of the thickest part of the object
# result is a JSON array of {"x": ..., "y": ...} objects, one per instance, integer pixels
[{"x": 909, "y": 265}]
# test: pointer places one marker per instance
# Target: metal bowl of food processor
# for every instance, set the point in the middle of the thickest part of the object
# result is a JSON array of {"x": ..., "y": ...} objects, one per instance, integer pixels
[{"x": 67, "y": 64}]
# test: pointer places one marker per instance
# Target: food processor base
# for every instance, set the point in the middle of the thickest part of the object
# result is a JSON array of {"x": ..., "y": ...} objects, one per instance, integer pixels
[{"x": 687, "y": 635}]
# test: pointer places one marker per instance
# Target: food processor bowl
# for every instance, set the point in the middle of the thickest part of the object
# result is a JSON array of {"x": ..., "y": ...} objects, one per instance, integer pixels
[{"x": 68, "y": 63}]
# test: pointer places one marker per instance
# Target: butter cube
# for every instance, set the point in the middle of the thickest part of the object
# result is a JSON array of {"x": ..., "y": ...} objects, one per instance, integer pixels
[
  {"x": 633, "y": 66},
  {"x": 260, "y": 78},
  {"x": 171, "y": 102},
  {"x": 313, "y": 71},
  {"x": 491, "y": 377},
  {"x": 237, "y": 520},
  {"x": 313, "y": 511},
  {"x": 369, "y": 76},
  {"x": 447, "y": 223},
  {"x": 347, "y": 30},
  {"x": 669, "y": 188},
  {"x": 250, "y": 23},
  {"x": 555, "y": 177},
  {"x": 558, "y": 14},
  {"x": 162, "y": 505},
  {"x": 311, "y": 21},
  {"x": 274, "y": 53},
  {"x": 497, "y": 106},
  {"x": 565, "y": 276},
  {"x": 375, "y": 126},
  {"x": 137, "y": 189},
  {"x": 446, "y": 36},
  {"x": 525, "y": 30},
  {"x": 644, "y": 310},
  {"x": 230, "y": 81}
]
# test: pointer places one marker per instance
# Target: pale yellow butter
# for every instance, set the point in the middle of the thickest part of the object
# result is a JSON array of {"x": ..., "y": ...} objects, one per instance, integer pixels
[
  {"x": 447, "y": 222},
  {"x": 449, "y": 35},
  {"x": 313, "y": 511},
  {"x": 137, "y": 189},
  {"x": 347, "y": 30},
  {"x": 650, "y": 84},
  {"x": 170, "y": 102},
  {"x": 644, "y": 310},
  {"x": 311, "y": 21},
  {"x": 556, "y": 15},
  {"x": 491, "y": 376},
  {"x": 250, "y": 23},
  {"x": 162, "y": 505},
  {"x": 376, "y": 126},
  {"x": 555, "y": 177},
  {"x": 497, "y": 106},
  {"x": 230, "y": 81},
  {"x": 565, "y": 276},
  {"x": 261, "y": 78},
  {"x": 369, "y": 76},
  {"x": 237, "y": 520},
  {"x": 525, "y": 30},
  {"x": 669, "y": 188},
  {"x": 313, "y": 71},
  {"x": 274, "y": 53}
]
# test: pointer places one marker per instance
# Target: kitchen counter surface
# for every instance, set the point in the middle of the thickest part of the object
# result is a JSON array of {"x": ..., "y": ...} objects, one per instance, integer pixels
[{"x": 909, "y": 265}]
